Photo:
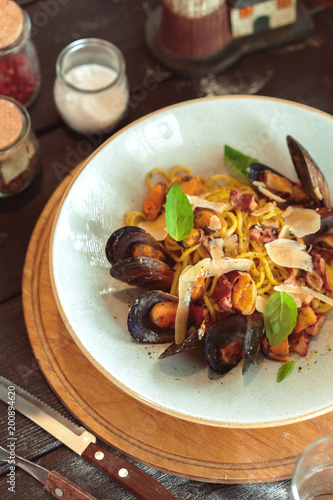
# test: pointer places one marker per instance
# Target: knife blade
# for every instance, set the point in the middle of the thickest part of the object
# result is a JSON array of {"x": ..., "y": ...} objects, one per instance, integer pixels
[
  {"x": 83, "y": 442},
  {"x": 53, "y": 482}
]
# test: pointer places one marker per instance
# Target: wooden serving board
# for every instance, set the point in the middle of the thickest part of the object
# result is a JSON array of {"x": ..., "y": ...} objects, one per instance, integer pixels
[{"x": 170, "y": 444}]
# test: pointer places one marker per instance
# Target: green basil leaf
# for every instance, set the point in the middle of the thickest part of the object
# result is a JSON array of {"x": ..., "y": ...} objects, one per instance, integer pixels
[
  {"x": 285, "y": 369},
  {"x": 238, "y": 161},
  {"x": 280, "y": 317},
  {"x": 178, "y": 213}
]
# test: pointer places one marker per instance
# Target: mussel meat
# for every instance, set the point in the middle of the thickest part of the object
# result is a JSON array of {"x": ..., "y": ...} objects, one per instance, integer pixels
[
  {"x": 146, "y": 325},
  {"x": 276, "y": 187},
  {"x": 224, "y": 343}
]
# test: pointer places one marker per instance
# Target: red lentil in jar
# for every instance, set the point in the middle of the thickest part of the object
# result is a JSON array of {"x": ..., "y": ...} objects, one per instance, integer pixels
[{"x": 19, "y": 66}]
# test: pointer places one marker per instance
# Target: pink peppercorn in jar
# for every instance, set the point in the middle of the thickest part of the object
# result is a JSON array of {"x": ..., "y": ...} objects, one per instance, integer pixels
[
  {"x": 19, "y": 158},
  {"x": 19, "y": 66}
]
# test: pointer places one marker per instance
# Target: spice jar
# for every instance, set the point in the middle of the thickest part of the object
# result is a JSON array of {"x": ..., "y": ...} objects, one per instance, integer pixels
[
  {"x": 19, "y": 66},
  {"x": 91, "y": 90},
  {"x": 19, "y": 159}
]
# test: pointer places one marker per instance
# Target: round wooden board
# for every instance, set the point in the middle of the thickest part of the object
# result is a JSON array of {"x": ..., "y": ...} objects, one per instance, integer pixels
[{"x": 172, "y": 445}]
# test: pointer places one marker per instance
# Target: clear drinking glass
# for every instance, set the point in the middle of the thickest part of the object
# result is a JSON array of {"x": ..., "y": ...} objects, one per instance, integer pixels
[{"x": 313, "y": 474}]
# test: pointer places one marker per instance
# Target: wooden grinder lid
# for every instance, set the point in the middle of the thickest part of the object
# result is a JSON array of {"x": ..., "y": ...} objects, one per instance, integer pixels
[
  {"x": 11, "y": 22},
  {"x": 11, "y": 123}
]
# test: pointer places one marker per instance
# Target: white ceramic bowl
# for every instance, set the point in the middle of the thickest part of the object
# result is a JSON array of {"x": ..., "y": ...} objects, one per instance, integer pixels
[{"x": 94, "y": 306}]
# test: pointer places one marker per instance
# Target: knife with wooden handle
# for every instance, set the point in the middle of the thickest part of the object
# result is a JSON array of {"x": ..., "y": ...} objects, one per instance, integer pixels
[
  {"x": 83, "y": 442},
  {"x": 54, "y": 483}
]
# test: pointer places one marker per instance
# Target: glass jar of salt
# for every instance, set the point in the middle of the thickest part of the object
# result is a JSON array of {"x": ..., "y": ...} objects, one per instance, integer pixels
[
  {"x": 91, "y": 89},
  {"x": 19, "y": 158}
]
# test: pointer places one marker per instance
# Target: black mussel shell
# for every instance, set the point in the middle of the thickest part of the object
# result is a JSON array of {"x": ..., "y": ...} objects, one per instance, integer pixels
[
  {"x": 144, "y": 272},
  {"x": 139, "y": 323},
  {"x": 191, "y": 342},
  {"x": 310, "y": 175},
  {"x": 253, "y": 337},
  {"x": 120, "y": 243},
  {"x": 255, "y": 169},
  {"x": 231, "y": 329}
]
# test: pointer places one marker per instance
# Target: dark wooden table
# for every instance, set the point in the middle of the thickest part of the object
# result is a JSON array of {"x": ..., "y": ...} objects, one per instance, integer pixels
[{"x": 301, "y": 71}]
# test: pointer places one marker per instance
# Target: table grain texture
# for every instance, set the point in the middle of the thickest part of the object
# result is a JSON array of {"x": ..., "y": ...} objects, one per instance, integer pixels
[{"x": 301, "y": 71}]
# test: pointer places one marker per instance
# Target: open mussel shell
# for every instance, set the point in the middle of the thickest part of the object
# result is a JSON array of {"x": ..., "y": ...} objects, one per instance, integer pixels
[
  {"x": 139, "y": 323},
  {"x": 121, "y": 243},
  {"x": 222, "y": 334},
  {"x": 253, "y": 337},
  {"x": 310, "y": 175},
  {"x": 280, "y": 189},
  {"x": 144, "y": 272}
]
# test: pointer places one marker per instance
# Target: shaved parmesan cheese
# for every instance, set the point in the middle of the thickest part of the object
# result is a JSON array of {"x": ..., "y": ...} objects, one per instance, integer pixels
[
  {"x": 197, "y": 201},
  {"x": 289, "y": 253},
  {"x": 262, "y": 189},
  {"x": 271, "y": 223},
  {"x": 260, "y": 304},
  {"x": 303, "y": 290},
  {"x": 184, "y": 290},
  {"x": 214, "y": 223},
  {"x": 302, "y": 221},
  {"x": 318, "y": 193},
  {"x": 214, "y": 247},
  {"x": 157, "y": 228},
  {"x": 284, "y": 233},
  {"x": 231, "y": 245},
  {"x": 264, "y": 210},
  {"x": 210, "y": 267}
]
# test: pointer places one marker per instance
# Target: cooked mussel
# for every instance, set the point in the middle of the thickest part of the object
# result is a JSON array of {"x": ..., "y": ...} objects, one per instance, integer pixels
[
  {"x": 324, "y": 240},
  {"x": 253, "y": 338},
  {"x": 138, "y": 259},
  {"x": 224, "y": 343},
  {"x": 310, "y": 175},
  {"x": 313, "y": 190},
  {"x": 275, "y": 186},
  {"x": 323, "y": 245},
  {"x": 132, "y": 241},
  {"x": 144, "y": 272},
  {"x": 151, "y": 317}
]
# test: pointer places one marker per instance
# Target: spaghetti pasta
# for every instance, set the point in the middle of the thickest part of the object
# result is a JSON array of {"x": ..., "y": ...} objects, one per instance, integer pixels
[
  {"x": 237, "y": 222},
  {"x": 226, "y": 263}
]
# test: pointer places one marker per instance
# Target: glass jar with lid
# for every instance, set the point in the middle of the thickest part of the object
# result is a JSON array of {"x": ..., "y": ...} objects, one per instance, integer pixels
[
  {"x": 19, "y": 158},
  {"x": 91, "y": 89},
  {"x": 20, "y": 76}
]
